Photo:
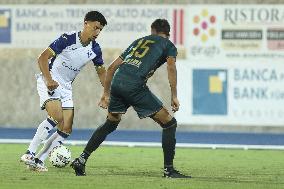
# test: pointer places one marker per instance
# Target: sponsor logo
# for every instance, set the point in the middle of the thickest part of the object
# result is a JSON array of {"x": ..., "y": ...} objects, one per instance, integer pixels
[
  {"x": 209, "y": 92},
  {"x": 204, "y": 25},
  {"x": 5, "y": 26}
]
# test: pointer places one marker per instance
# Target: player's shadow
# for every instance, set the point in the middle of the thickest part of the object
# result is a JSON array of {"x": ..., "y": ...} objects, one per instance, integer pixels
[{"x": 118, "y": 170}]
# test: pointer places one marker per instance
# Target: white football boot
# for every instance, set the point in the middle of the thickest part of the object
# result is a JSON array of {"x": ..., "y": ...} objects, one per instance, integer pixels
[{"x": 28, "y": 159}]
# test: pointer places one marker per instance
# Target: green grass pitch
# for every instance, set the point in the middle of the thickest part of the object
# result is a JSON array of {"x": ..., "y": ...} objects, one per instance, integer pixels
[{"x": 135, "y": 168}]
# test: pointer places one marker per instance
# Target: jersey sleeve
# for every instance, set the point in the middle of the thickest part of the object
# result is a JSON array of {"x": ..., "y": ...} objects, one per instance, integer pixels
[
  {"x": 98, "y": 60},
  {"x": 171, "y": 51},
  {"x": 59, "y": 44}
]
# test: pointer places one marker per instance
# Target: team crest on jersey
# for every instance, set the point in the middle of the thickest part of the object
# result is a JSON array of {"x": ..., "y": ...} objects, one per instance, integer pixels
[{"x": 89, "y": 54}]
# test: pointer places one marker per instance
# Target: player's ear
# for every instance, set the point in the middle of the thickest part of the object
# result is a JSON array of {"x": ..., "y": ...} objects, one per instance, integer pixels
[{"x": 168, "y": 36}]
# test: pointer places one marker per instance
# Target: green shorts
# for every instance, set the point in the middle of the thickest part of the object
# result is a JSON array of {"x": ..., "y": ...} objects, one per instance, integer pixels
[{"x": 123, "y": 95}]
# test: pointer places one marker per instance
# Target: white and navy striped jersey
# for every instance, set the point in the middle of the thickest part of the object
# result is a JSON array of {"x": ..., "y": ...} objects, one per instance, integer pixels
[{"x": 70, "y": 56}]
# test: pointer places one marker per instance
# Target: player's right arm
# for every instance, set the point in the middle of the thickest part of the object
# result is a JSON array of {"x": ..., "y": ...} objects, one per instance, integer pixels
[
  {"x": 54, "y": 48},
  {"x": 44, "y": 68},
  {"x": 109, "y": 75}
]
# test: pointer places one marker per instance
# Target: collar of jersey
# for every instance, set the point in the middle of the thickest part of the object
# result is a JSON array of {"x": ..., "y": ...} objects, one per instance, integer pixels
[{"x": 83, "y": 44}]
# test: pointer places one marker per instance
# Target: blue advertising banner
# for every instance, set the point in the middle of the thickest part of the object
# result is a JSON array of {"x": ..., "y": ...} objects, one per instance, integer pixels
[
  {"x": 249, "y": 93},
  {"x": 209, "y": 92},
  {"x": 5, "y": 26}
]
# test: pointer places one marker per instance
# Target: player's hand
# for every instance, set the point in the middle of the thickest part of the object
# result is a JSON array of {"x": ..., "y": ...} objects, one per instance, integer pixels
[
  {"x": 175, "y": 104},
  {"x": 104, "y": 102},
  {"x": 51, "y": 85}
]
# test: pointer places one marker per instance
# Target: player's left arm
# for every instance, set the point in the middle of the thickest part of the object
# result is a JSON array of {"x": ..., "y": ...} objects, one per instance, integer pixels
[
  {"x": 110, "y": 72},
  {"x": 99, "y": 63},
  {"x": 172, "y": 77},
  {"x": 101, "y": 71}
]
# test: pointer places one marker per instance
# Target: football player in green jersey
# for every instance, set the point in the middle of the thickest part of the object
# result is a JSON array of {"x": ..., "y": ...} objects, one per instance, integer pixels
[{"x": 125, "y": 86}]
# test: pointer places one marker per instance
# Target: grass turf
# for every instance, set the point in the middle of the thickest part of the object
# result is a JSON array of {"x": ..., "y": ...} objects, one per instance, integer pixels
[{"x": 135, "y": 168}]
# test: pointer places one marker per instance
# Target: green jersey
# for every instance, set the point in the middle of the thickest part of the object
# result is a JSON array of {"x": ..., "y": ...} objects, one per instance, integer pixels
[{"x": 143, "y": 57}]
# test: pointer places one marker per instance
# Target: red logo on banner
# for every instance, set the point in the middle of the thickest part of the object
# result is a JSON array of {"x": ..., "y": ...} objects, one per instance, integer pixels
[{"x": 178, "y": 27}]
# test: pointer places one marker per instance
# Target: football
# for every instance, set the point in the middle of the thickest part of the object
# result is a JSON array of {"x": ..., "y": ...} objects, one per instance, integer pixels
[{"x": 60, "y": 156}]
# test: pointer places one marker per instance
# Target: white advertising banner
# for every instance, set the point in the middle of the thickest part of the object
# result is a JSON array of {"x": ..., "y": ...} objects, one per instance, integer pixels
[
  {"x": 36, "y": 26},
  {"x": 239, "y": 93},
  {"x": 235, "y": 32}
]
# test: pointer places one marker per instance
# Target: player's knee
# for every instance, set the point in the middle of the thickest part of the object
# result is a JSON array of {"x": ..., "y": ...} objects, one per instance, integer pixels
[
  {"x": 66, "y": 127},
  {"x": 58, "y": 118},
  {"x": 162, "y": 117},
  {"x": 170, "y": 124},
  {"x": 114, "y": 117},
  {"x": 67, "y": 130}
]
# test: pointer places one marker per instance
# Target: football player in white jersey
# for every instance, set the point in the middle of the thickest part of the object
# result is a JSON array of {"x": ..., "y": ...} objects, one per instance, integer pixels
[{"x": 59, "y": 64}]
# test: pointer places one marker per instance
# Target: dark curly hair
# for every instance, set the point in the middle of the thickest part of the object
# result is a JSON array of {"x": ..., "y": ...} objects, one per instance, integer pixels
[
  {"x": 161, "y": 26},
  {"x": 95, "y": 16}
]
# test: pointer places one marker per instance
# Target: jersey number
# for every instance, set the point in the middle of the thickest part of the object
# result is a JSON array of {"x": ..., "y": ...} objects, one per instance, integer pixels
[{"x": 144, "y": 46}]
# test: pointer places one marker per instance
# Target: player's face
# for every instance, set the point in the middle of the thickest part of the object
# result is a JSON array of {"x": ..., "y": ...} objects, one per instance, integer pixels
[{"x": 93, "y": 29}]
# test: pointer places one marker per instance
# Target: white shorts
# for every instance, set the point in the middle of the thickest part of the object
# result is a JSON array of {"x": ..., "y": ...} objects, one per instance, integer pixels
[{"x": 60, "y": 93}]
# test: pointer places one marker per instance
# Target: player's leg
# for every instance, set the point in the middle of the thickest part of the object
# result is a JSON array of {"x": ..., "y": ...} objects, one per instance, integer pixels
[
  {"x": 59, "y": 136},
  {"x": 100, "y": 134},
  {"x": 39, "y": 165},
  {"x": 64, "y": 129},
  {"x": 54, "y": 111},
  {"x": 46, "y": 145},
  {"x": 169, "y": 125},
  {"x": 117, "y": 107},
  {"x": 56, "y": 139},
  {"x": 146, "y": 104},
  {"x": 52, "y": 105},
  {"x": 95, "y": 141}
]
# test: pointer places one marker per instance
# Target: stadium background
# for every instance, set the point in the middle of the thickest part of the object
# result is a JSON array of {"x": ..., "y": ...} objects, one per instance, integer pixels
[{"x": 19, "y": 100}]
